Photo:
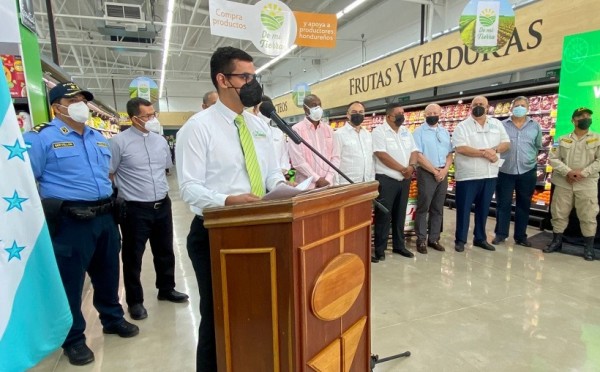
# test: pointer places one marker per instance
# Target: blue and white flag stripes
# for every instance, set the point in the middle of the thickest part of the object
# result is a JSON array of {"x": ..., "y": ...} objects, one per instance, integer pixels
[{"x": 34, "y": 312}]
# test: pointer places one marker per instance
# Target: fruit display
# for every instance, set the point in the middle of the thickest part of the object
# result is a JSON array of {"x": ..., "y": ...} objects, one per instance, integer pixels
[
  {"x": 15, "y": 75},
  {"x": 413, "y": 191},
  {"x": 541, "y": 197}
]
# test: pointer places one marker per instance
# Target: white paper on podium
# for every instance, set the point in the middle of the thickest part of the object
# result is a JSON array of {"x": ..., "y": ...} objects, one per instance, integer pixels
[
  {"x": 285, "y": 191},
  {"x": 498, "y": 163}
]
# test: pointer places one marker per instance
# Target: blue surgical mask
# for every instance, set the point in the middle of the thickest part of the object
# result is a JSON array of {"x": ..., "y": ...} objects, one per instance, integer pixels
[{"x": 519, "y": 111}]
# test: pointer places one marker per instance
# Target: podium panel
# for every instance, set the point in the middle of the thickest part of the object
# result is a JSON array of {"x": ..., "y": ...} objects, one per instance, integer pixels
[{"x": 291, "y": 282}]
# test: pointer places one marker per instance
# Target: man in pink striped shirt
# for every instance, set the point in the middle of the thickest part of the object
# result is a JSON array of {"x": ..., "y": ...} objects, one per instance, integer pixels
[{"x": 320, "y": 136}]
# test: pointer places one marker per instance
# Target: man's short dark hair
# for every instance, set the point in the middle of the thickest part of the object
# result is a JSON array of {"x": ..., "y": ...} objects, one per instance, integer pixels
[
  {"x": 223, "y": 59},
  {"x": 133, "y": 106},
  {"x": 309, "y": 99},
  {"x": 391, "y": 107},
  {"x": 352, "y": 103}
]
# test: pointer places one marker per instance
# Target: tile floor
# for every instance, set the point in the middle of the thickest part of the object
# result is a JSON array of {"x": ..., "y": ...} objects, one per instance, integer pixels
[{"x": 515, "y": 309}]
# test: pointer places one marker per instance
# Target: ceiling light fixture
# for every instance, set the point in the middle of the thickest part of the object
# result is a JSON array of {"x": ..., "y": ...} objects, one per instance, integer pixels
[
  {"x": 339, "y": 15},
  {"x": 170, "y": 9}
]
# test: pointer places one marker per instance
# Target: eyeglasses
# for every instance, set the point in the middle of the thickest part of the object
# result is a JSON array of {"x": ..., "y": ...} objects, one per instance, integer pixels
[
  {"x": 246, "y": 76},
  {"x": 148, "y": 117}
]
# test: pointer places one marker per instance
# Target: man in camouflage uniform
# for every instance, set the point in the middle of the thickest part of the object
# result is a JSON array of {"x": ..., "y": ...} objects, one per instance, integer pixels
[{"x": 575, "y": 162}]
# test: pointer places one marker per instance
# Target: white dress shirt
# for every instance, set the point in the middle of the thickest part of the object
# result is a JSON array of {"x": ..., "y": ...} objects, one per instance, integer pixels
[
  {"x": 399, "y": 145},
  {"x": 356, "y": 154},
  {"x": 469, "y": 133},
  {"x": 280, "y": 145},
  {"x": 210, "y": 162}
]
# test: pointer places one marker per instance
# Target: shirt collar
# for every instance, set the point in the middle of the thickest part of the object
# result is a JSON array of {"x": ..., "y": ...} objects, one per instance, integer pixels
[
  {"x": 65, "y": 129},
  {"x": 138, "y": 132},
  {"x": 351, "y": 128},
  {"x": 227, "y": 113}
]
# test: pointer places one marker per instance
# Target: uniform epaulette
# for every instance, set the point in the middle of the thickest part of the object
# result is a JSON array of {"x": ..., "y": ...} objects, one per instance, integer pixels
[{"x": 40, "y": 127}]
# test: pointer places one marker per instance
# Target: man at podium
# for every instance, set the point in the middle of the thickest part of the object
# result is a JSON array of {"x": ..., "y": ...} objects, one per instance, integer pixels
[{"x": 225, "y": 156}]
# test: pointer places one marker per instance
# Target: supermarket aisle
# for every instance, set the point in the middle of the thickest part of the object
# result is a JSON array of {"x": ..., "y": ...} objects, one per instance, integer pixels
[{"x": 514, "y": 309}]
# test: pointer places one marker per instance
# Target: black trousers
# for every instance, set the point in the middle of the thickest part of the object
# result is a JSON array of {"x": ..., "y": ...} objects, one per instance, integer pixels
[
  {"x": 143, "y": 222},
  {"x": 198, "y": 247},
  {"x": 523, "y": 185},
  {"x": 90, "y": 246},
  {"x": 478, "y": 192},
  {"x": 393, "y": 194}
]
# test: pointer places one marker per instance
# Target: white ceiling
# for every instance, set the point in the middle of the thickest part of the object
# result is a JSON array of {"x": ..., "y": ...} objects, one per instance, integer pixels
[{"x": 374, "y": 28}]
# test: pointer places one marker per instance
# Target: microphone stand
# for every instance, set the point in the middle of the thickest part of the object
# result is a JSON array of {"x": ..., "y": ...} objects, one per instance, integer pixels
[{"x": 295, "y": 137}]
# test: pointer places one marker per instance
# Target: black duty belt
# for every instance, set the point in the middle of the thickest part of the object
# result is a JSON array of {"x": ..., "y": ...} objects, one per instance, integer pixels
[
  {"x": 149, "y": 205},
  {"x": 86, "y": 210}
]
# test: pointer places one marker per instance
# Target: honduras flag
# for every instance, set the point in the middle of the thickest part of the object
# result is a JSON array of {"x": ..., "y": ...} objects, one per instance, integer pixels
[{"x": 34, "y": 312}]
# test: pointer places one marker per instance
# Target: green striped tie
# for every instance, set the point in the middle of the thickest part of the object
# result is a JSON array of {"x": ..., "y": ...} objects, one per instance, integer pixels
[{"x": 256, "y": 181}]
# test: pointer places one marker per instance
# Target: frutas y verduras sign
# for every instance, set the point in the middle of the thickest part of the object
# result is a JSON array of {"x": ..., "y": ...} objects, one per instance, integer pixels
[{"x": 537, "y": 40}]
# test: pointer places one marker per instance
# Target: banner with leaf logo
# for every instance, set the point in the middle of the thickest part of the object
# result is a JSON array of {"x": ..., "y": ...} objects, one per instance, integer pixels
[{"x": 486, "y": 26}]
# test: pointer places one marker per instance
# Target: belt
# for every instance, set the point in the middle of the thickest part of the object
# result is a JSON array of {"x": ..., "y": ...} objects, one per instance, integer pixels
[
  {"x": 150, "y": 205},
  {"x": 86, "y": 210}
]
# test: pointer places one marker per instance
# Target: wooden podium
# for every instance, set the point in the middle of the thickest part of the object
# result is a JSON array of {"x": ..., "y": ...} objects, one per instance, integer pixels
[{"x": 291, "y": 282}]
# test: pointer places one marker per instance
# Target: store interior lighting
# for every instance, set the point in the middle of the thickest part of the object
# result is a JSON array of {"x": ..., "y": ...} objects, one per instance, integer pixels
[
  {"x": 339, "y": 15},
  {"x": 165, "y": 59}
]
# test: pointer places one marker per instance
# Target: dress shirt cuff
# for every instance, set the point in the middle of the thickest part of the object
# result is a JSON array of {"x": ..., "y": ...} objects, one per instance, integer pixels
[
  {"x": 585, "y": 172},
  {"x": 220, "y": 199}
]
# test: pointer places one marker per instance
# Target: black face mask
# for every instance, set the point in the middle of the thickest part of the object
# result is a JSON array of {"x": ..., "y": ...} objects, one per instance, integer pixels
[
  {"x": 478, "y": 111},
  {"x": 251, "y": 93},
  {"x": 399, "y": 119},
  {"x": 584, "y": 124},
  {"x": 432, "y": 120},
  {"x": 356, "y": 119}
]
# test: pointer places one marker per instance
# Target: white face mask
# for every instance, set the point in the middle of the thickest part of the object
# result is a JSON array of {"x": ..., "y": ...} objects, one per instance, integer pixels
[
  {"x": 78, "y": 112},
  {"x": 316, "y": 113},
  {"x": 152, "y": 125}
]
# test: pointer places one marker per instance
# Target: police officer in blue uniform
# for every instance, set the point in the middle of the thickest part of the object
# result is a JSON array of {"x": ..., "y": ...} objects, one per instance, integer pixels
[{"x": 70, "y": 162}]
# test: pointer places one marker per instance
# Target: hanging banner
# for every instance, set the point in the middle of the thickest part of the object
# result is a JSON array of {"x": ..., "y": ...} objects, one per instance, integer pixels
[
  {"x": 316, "y": 30},
  {"x": 300, "y": 91},
  {"x": 145, "y": 88},
  {"x": 271, "y": 25},
  {"x": 579, "y": 80},
  {"x": 486, "y": 26}
]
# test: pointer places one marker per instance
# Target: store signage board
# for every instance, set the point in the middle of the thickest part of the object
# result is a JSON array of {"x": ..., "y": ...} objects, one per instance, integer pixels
[
  {"x": 537, "y": 40},
  {"x": 27, "y": 16},
  {"x": 579, "y": 80}
]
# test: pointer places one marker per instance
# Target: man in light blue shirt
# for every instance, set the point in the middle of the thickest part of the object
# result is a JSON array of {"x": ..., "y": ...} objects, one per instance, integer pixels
[
  {"x": 434, "y": 158},
  {"x": 518, "y": 174}
]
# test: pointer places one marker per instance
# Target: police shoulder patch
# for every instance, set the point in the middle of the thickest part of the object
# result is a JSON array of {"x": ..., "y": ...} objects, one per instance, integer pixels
[
  {"x": 40, "y": 127},
  {"x": 102, "y": 144}
]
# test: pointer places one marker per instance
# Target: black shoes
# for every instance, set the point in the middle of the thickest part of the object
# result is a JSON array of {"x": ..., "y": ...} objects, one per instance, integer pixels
[
  {"x": 498, "y": 240},
  {"x": 421, "y": 247},
  {"x": 404, "y": 252},
  {"x": 484, "y": 245},
  {"x": 172, "y": 296},
  {"x": 437, "y": 246},
  {"x": 555, "y": 244},
  {"x": 138, "y": 312},
  {"x": 588, "y": 249},
  {"x": 524, "y": 242},
  {"x": 459, "y": 247},
  {"x": 374, "y": 259},
  {"x": 123, "y": 329},
  {"x": 79, "y": 354}
]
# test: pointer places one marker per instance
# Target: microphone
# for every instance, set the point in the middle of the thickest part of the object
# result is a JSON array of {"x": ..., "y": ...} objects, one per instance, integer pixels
[{"x": 268, "y": 109}]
